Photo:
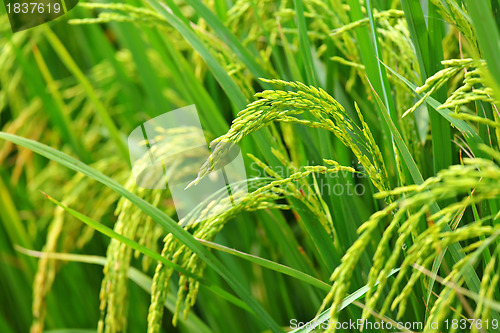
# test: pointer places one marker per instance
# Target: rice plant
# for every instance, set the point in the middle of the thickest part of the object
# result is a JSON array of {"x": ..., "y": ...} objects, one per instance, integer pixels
[{"x": 370, "y": 134}]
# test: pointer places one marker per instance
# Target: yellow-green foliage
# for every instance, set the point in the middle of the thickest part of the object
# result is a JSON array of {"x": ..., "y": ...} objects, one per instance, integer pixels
[{"x": 396, "y": 224}]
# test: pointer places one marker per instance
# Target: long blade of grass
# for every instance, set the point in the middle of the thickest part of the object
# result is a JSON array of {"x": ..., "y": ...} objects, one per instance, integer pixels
[
  {"x": 488, "y": 37},
  {"x": 232, "y": 90},
  {"x": 471, "y": 136},
  {"x": 193, "y": 322},
  {"x": 325, "y": 315},
  {"x": 144, "y": 250},
  {"x": 158, "y": 216},
  {"x": 398, "y": 140},
  {"x": 382, "y": 75},
  {"x": 270, "y": 264},
  {"x": 305, "y": 47},
  {"x": 493, "y": 304},
  {"x": 8, "y": 212},
  {"x": 220, "y": 29},
  {"x": 346, "y": 211},
  {"x": 61, "y": 111},
  {"x": 114, "y": 235},
  {"x": 368, "y": 55},
  {"x": 34, "y": 79},
  {"x": 68, "y": 61},
  {"x": 471, "y": 278},
  {"x": 427, "y": 39}
]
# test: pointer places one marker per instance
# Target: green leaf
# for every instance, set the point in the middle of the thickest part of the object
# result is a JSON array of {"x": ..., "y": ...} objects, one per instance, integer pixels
[
  {"x": 193, "y": 322},
  {"x": 471, "y": 278},
  {"x": 68, "y": 61},
  {"x": 487, "y": 36},
  {"x": 325, "y": 315},
  {"x": 232, "y": 90},
  {"x": 427, "y": 38},
  {"x": 305, "y": 47},
  {"x": 158, "y": 216},
  {"x": 270, "y": 264},
  {"x": 470, "y": 135}
]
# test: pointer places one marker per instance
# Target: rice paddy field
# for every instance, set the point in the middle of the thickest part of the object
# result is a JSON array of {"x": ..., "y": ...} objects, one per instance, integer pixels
[{"x": 367, "y": 131}]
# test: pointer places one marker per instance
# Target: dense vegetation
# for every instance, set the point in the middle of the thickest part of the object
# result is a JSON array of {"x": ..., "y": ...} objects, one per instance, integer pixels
[{"x": 371, "y": 135}]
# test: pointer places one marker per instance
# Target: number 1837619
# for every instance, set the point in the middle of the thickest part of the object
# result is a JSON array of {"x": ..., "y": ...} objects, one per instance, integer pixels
[{"x": 33, "y": 7}]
